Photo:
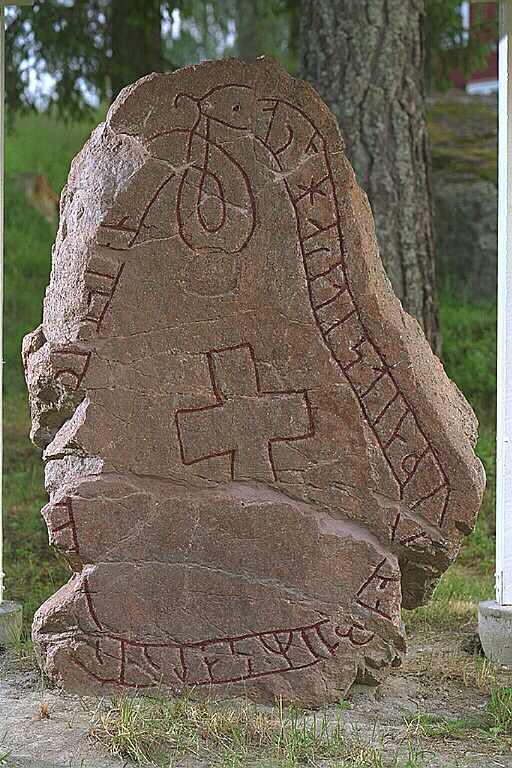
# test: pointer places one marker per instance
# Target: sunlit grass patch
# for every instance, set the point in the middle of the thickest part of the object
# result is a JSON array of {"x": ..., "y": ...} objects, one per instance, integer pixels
[
  {"x": 499, "y": 711},
  {"x": 144, "y": 729},
  {"x": 165, "y": 731}
]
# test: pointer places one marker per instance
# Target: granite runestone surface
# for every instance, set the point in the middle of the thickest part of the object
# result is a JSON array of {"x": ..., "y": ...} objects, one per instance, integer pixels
[{"x": 252, "y": 455}]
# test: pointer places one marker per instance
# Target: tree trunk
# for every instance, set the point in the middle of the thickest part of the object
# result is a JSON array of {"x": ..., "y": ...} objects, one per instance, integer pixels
[
  {"x": 248, "y": 30},
  {"x": 136, "y": 41},
  {"x": 365, "y": 58}
]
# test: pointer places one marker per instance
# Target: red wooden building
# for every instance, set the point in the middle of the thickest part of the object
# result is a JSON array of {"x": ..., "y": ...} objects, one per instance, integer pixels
[{"x": 486, "y": 79}]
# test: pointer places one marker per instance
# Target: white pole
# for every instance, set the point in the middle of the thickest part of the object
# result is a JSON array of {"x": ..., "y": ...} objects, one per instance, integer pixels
[
  {"x": 504, "y": 372},
  {"x": 495, "y": 616},
  {"x": 504, "y": 382},
  {"x": 465, "y": 12},
  {"x": 2, "y": 115}
]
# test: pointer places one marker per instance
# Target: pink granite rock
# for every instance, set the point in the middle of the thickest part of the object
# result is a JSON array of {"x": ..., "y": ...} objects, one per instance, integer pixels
[{"x": 253, "y": 457}]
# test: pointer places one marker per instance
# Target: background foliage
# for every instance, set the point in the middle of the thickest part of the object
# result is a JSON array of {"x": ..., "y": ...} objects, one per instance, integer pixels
[
  {"x": 449, "y": 47},
  {"x": 65, "y": 53}
]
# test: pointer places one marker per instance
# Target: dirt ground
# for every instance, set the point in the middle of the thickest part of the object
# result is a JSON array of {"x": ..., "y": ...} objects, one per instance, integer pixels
[{"x": 439, "y": 678}]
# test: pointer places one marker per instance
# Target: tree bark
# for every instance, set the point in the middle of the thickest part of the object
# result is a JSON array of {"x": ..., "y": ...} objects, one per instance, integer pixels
[
  {"x": 365, "y": 58},
  {"x": 136, "y": 41}
]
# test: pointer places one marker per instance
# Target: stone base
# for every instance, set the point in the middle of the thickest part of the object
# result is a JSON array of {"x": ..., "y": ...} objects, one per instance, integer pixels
[
  {"x": 495, "y": 630},
  {"x": 10, "y": 623}
]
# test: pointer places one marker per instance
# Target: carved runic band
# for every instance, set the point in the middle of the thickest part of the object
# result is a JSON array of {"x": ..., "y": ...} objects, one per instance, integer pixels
[{"x": 244, "y": 421}]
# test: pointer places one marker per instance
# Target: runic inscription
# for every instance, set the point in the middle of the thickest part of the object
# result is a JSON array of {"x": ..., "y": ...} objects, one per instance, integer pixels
[
  {"x": 253, "y": 456},
  {"x": 216, "y": 661},
  {"x": 62, "y": 526},
  {"x": 226, "y": 427},
  {"x": 373, "y": 593},
  {"x": 385, "y": 406},
  {"x": 209, "y": 662},
  {"x": 101, "y": 286}
]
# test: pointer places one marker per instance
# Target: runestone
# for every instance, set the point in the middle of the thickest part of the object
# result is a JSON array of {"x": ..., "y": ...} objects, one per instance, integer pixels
[{"x": 254, "y": 460}]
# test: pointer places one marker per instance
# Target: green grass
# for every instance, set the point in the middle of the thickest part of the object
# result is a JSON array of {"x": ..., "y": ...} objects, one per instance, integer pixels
[
  {"x": 494, "y": 723},
  {"x": 469, "y": 353},
  {"x": 499, "y": 713},
  {"x": 434, "y": 726},
  {"x": 469, "y": 356},
  {"x": 28, "y": 241},
  {"x": 41, "y": 145},
  {"x": 456, "y": 598},
  {"x": 162, "y": 732}
]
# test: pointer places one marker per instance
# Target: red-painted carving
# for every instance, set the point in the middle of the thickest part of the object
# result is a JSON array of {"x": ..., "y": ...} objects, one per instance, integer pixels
[
  {"x": 395, "y": 526},
  {"x": 288, "y": 141},
  {"x": 70, "y": 365},
  {"x": 312, "y": 189},
  {"x": 311, "y": 145},
  {"x": 409, "y": 538},
  {"x": 121, "y": 225},
  {"x": 202, "y": 205},
  {"x": 352, "y": 358},
  {"x": 202, "y": 186},
  {"x": 90, "y": 605},
  {"x": 100, "y": 295},
  {"x": 249, "y": 656},
  {"x": 327, "y": 302},
  {"x": 354, "y": 361},
  {"x": 210, "y": 216},
  {"x": 69, "y": 523},
  {"x": 375, "y": 583},
  {"x": 224, "y": 427},
  {"x": 356, "y": 634},
  {"x": 318, "y": 228}
]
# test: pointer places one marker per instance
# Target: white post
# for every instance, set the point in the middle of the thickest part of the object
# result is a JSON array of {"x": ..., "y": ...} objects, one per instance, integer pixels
[
  {"x": 504, "y": 383},
  {"x": 495, "y": 616},
  {"x": 465, "y": 12},
  {"x": 10, "y": 616}
]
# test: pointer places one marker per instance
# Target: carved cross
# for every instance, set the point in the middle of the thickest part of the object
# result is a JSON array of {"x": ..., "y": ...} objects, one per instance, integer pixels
[{"x": 244, "y": 421}]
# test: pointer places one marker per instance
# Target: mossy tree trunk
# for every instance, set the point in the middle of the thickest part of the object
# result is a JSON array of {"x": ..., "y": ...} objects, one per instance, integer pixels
[{"x": 365, "y": 58}]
